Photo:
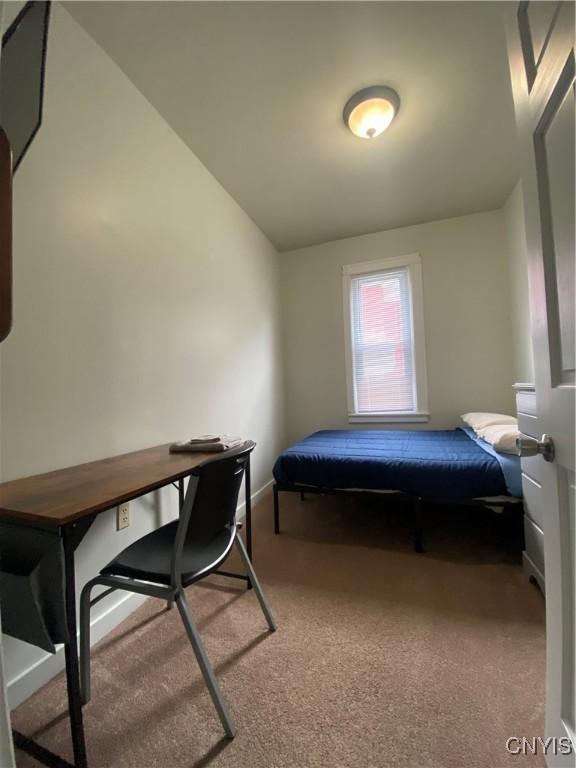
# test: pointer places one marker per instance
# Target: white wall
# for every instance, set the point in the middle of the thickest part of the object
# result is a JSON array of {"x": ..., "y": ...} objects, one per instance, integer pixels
[
  {"x": 6, "y": 747},
  {"x": 467, "y": 325},
  {"x": 519, "y": 293},
  {"x": 146, "y": 303}
]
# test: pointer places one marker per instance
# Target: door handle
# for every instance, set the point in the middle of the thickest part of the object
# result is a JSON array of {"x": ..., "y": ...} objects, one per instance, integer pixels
[{"x": 529, "y": 446}]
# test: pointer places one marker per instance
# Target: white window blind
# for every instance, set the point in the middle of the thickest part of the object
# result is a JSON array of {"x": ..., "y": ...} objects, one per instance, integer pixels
[{"x": 382, "y": 337}]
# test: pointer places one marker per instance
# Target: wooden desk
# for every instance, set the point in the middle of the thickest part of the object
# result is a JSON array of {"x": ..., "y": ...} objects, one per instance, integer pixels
[{"x": 67, "y": 501}]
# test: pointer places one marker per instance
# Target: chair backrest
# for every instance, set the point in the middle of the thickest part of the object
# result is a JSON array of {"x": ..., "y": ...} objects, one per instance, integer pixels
[{"x": 211, "y": 499}]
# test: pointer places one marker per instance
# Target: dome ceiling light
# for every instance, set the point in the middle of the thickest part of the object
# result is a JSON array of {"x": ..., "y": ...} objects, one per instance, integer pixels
[{"x": 370, "y": 111}]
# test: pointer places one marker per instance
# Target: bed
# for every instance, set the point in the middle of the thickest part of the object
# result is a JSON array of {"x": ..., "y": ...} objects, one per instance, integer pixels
[{"x": 449, "y": 465}]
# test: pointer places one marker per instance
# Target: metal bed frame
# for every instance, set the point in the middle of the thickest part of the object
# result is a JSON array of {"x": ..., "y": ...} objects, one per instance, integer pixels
[{"x": 417, "y": 503}]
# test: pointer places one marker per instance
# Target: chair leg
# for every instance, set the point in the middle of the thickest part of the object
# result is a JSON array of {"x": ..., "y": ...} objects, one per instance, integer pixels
[
  {"x": 256, "y": 584},
  {"x": 205, "y": 668},
  {"x": 85, "y": 643}
]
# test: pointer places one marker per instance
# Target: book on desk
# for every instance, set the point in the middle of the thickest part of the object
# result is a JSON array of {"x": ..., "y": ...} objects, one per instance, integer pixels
[{"x": 206, "y": 444}]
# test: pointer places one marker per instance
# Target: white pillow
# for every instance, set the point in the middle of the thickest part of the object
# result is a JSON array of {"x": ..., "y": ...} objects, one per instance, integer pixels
[
  {"x": 502, "y": 437},
  {"x": 479, "y": 421}
]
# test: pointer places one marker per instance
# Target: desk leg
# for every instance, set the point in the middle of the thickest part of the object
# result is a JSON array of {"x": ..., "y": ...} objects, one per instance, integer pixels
[
  {"x": 71, "y": 653},
  {"x": 247, "y": 486},
  {"x": 181, "y": 495}
]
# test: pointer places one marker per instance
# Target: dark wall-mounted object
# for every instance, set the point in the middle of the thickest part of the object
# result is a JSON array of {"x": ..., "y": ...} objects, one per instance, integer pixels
[
  {"x": 5, "y": 236},
  {"x": 22, "y": 76}
]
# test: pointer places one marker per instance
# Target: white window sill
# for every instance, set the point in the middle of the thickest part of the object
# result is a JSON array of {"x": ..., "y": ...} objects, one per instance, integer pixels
[{"x": 388, "y": 418}]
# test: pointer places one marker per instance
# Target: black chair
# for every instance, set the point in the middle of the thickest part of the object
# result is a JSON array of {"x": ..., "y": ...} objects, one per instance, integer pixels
[{"x": 163, "y": 563}]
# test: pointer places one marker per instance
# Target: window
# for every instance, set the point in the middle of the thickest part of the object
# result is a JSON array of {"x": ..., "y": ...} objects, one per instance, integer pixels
[{"x": 386, "y": 368}]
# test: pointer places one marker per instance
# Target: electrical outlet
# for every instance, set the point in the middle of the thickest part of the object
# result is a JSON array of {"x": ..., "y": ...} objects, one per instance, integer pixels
[{"x": 123, "y": 516}]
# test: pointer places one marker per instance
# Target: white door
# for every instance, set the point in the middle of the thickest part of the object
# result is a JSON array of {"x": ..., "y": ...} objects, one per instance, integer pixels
[{"x": 541, "y": 57}]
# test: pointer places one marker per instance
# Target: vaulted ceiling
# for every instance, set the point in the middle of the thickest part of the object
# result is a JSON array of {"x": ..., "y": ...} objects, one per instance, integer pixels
[{"x": 256, "y": 90}]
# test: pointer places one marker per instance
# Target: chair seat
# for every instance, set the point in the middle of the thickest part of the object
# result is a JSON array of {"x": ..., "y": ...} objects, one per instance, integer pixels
[{"x": 150, "y": 558}]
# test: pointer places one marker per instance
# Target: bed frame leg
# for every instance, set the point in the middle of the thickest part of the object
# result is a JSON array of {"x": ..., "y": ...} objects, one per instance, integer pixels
[
  {"x": 302, "y": 497},
  {"x": 418, "y": 525},
  {"x": 276, "y": 510}
]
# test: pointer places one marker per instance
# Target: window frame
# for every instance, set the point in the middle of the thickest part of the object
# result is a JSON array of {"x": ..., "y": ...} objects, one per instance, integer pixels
[{"x": 413, "y": 263}]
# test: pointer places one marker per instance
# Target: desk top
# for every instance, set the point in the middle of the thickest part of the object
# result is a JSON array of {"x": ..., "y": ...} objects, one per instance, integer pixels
[{"x": 66, "y": 495}]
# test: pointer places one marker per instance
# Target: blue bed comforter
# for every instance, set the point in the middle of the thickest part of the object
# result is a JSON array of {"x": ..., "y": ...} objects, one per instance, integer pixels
[{"x": 442, "y": 464}]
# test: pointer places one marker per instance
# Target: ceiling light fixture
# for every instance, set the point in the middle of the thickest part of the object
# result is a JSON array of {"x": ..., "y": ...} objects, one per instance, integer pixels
[{"x": 370, "y": 111}]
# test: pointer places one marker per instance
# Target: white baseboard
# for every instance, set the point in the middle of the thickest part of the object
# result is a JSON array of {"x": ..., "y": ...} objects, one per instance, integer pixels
[
  {"x": 29, "y": 680},
  {"x": 255, "y": 497}
]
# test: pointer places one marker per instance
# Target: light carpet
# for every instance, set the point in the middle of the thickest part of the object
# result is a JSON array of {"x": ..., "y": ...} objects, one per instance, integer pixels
[{"x": 383, "y": 658}]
